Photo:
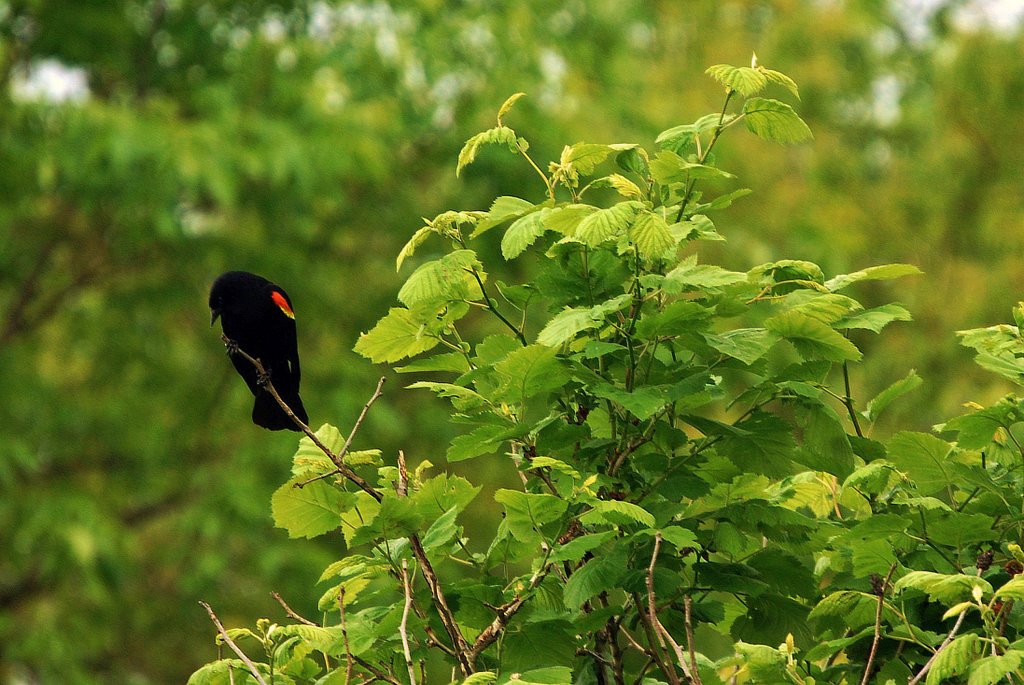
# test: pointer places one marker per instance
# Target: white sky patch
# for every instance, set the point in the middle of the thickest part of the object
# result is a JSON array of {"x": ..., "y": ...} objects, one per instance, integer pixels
[{"x": 50, "y": 80}]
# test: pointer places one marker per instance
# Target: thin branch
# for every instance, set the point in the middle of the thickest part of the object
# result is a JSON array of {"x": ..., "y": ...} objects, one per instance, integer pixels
[
  {"x": 505, "y": 612},
  {"x": 344, "y": 635},
  {"x": 231, "y": 643},
  {"x": 494, "y": 309},
  {"x": 688, "y": 611},
  {"x": 945, "y": 643},
  {"x": 662, "y": 632},
  {"x": 878, "y": 625},
  {"x": 848, "y": 400},
  {"x": 343, "y": 468},
  {"x": 463, "y": 652},
  {"x": 288, "y": 610},
  {"x": 403, "y": 628}
]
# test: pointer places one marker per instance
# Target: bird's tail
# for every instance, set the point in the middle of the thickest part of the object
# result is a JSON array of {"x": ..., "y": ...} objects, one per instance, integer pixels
[{"x": 267, "y": 412}]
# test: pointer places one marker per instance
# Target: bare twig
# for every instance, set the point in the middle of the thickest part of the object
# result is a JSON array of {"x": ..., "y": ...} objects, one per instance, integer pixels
[
  {"x": 288, "y": 610},
  {"x": 663, "y": 634},
  {"x": 231, "y": 643},
  {"x": 342, "y": 467},
  {"x": 351, "y": 434},
  {"x": 403, "y": 628},
  {"x": 945, "y": 643},
  {"x": 878, "y": 624}
]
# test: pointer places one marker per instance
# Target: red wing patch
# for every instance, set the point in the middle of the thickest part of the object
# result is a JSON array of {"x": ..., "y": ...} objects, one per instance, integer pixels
[{"x": 279, "y": 300}]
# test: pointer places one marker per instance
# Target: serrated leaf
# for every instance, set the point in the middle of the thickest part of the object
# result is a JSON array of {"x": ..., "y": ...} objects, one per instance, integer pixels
[
  {"x": 441, "y": 280},
  {"x": 775, "y": 121},
  {"x": 746, "y": 344},
  {"x": 526, "y": 513},
  {"x": 642, "y": 402},
  {"x": 1012, "y": 589},
  {"x": 530, "y": 371},
  {"x": 883, "y": 399},
  {"x": 481, "y": 440},
  {"x": 499, "y": 135},
  {"x": 651, "y": 235},
  {"x": 450, "y": 390},
  {"x": 504, "y": 208},
  {"x": 669, "y": 167},
  {"x": 812, "y": 338},
  {"x": 745, "y": 80},
  {"x": 523, "y": 232},
  {"x": 441, "y": 531},
  {"x": 954, "y": 659},
  {"x": 452, "y": 362},
  {"x": 410, "y": 247},
  {"x": 875, "y": 319},
  {"x": 625, "y": 187},
  {"x": 994, "y": 669},
  {"x": 691, "y": 275},
  {"x": 311, "y": 510},
  {"x": 309, "y": 459},
  {"x": 605, "y": 224},
  {"x": 597, "y": 575},
  {"x": 948, "y": 589},
  {"x": 617, "y": 513},
  {"x": 565, "y": 325},
  {"x": 575, "y": 549},
  {"x": 923, "y": 457},
  {"x": 584, "y": 157},
  {"x": 782, "y": 80},
  {"x": 398, "y": 335},
  {"x": 566, "y": 219},
  {"x": 882, "y": 272},
  {"x": 506, "y": 106}
]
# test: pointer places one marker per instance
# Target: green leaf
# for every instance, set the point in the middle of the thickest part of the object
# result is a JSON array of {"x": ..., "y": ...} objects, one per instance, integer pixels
[
  {"x": 782, "y": 80},
  {"x": 1012, "y": 589},
  {"x": 677, "y": 318},
  {"x": 746, "y": 344},
  {"x": 812, "y": 338},
  {"x": 689, "y": 275},
  {"x": 651, "y": 235},
  {"x": 669, "y": 167},
  {"x": 584, "y": 157},
  {"x": 309, "y": 460},
  {"x": 566, "y": 219},
  {"x": 825, "y": 441},
  {"x": 415, "y": 241},
  {"x": 775, "y": 121},
  {"x": 500, "y": 135},
  {"x": 506, "y": 106},
  {"x": 883, "y": 272},
  {"x": 441, "y": 531},
  {"x": 577, "y": 548},
  {"x": 526, "y": 513},
  {"x": 883, "y": 399},
  {"x": 504, "y": 208},
  {"x": 566, "y": 324},
  {"x": 441, "y": 280},
  {"x": 601, "y": 573},
  {"x": 605, "y": 224},
  {"x": 765, "y": 664},
  {"x": 523, "y": 232},
  {"x": 452, "y": 362},
  {"x": 625, "y": 187},
  {"x": 398, "y": 335},
  {"x": 954, "y": 659},
  {"x": 923, "y": 457},
  {"x": 948, "y": 589},
  {"x": 480, "y": 678},
  {"x": 642, "y": 402},
  {"x": 617, "y": 513},
  {"x": 745, "y": 80},
  {"x": 481, "y": 440},
  {"x": 531, "y": 371},
  {"x": 311, "y": 510},
  {"x": 874, "y": 319},
  {"x": 994, "y": 669}
]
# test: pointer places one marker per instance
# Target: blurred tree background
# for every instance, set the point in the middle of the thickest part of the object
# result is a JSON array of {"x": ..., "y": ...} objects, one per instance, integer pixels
[{"x": 148, "y": 145}]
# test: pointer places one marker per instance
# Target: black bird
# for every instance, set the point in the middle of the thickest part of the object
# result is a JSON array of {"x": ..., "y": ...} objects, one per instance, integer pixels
[{"x": 258, "y": 316}]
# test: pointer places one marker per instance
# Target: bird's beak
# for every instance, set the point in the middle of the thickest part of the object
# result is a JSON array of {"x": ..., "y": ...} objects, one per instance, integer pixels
[{"x": 214, "y": 313}]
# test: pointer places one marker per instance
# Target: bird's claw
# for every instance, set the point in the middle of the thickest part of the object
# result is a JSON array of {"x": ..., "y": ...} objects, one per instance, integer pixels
[
  {"x": 262, "y": 379},
  {"x": 231, "y": 346}
]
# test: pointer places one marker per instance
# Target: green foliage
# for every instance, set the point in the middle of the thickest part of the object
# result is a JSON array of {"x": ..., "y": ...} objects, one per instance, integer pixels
[{"x": 685, "y": 436}]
